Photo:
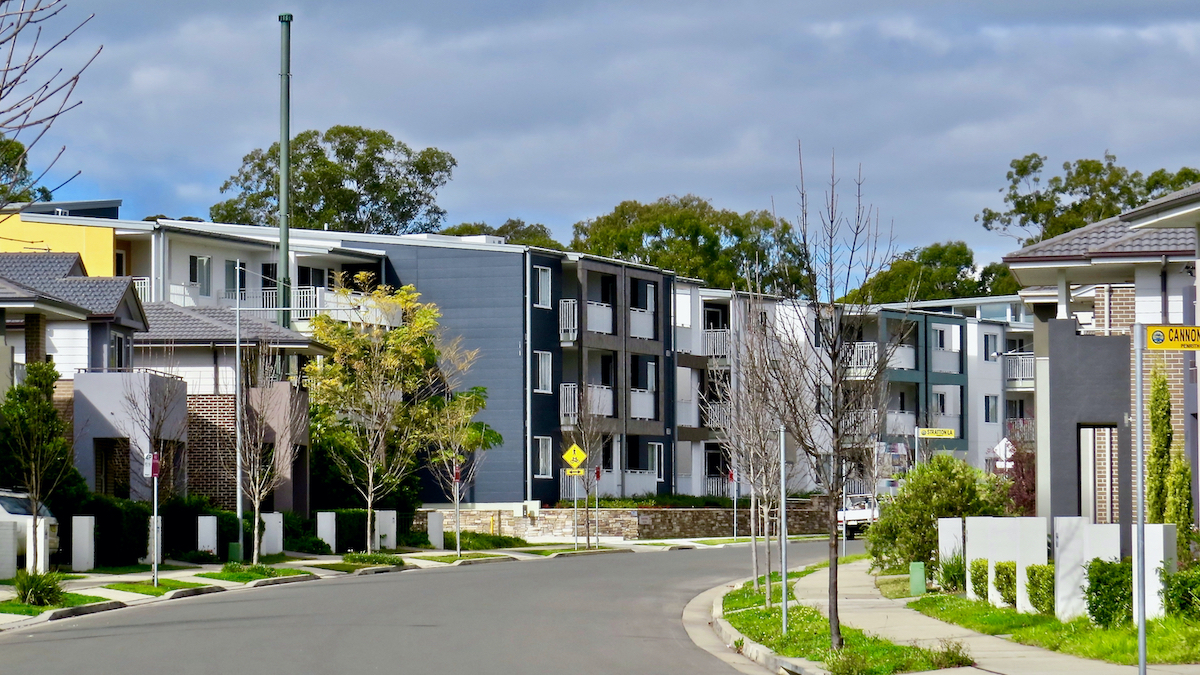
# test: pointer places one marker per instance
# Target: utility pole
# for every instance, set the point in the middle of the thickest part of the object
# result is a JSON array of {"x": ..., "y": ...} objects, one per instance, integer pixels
[
  {"x": 783, "y": 535},
  {"x": 283, "y": 273}
]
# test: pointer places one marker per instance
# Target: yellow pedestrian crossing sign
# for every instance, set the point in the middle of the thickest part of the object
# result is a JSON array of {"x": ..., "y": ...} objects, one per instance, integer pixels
[{"x": 574, "y": 456}]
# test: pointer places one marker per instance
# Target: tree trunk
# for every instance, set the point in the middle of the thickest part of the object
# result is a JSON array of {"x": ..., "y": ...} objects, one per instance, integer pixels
[
  {"x": 370, "y": 509},
  {"x": 257, "y": 539},
  {"x": 754, "y": 537},
  {"x": 766, "y": 523},
  {"x": 33, "y": 550},
  {"x": 835, "y": 622}
]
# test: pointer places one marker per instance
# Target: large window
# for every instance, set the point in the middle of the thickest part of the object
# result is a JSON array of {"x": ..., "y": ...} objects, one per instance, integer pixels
[
  {"x": 200, "y": 273},
  {"x": 543, "y": 373},
  {"x": 235, "y": 278},
  {"x": 991, "y": 409},
  {"x": 991, "y": 346},
  {"x": 545, "y": 459},
  {"x": 541, "y": 281}
]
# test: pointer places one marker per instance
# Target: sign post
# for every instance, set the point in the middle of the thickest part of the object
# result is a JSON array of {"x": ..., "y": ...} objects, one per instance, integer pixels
[
  {"x": 575, "y": 456},
  {"x": 927, "y": 432}
]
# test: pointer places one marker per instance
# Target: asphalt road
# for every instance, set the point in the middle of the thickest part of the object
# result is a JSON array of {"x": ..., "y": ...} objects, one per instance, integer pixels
[{"x": 592, "y": 614}]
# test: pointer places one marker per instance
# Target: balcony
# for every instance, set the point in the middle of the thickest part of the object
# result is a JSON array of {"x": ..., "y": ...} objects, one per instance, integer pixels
[
  {"x": 568, "y": 404},
  {"x": 901, "y": 423},
  {"x": 717, "y": 486},
  {"x": 946, "y": 361},
  {"x": 600, "y": 317},
  {"x": 142, "y": 286},
  {"x": 903, "y": 357},
  {"x": 864, "y": 361},
  {"x": 716, "y": 415},
  {"x": 307, "y": 302},
  {"x": 1019, "y": 370},
  {"x": 948, "y": 422},
  {"x": 641, "y": 323},
  {"x": 641, "y": 404},
  {"x": 568, "y": 320},
  {"x": 860, "y": 422},
  {"x": 717, "y": 342}
]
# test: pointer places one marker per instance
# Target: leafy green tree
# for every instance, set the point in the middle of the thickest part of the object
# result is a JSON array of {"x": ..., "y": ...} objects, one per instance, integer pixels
[
  {"x": 1179, "y": 505},
  {"x": 1088, "y": 191},
  {"x": 1158, "y": 464},
  {"x": 36, "y": 453},
  {"x": 936, "y": 272},
  {"x": 514, "y": 231},
  {"x": 997, "y": 279},
  {"x": 17, "y": 182},
  {"x": 690, "y": 236},
  {"x": 347, "y": 178},
  {"x": 944, "y": 487}
]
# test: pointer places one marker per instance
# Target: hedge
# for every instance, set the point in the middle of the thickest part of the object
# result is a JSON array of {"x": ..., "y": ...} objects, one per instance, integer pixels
[
  {"x": 122, "y": 529},
  {"x": 351, "y": 530},
  {"x": 979, "y": 578},
  {"x": 1181, "y": 592},
  {"x": 1110, "y": 592},
  {"x": 1006, "y": 582},
  {"x": 1040, "y": 587}
]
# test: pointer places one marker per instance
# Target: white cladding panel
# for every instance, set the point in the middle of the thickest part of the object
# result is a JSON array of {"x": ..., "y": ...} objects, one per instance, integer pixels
[
  {"x": 67, "y": 343},
  {"x": 1148, "y": 283}
]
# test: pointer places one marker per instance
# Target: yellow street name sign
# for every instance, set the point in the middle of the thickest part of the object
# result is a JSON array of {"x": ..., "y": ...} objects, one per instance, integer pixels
[
  {"x": 1180, "y": 338},
  {"x": 574, "y": 472},
  {"x": 935, "y": 433},
  {"x": 574, "y": 456}
]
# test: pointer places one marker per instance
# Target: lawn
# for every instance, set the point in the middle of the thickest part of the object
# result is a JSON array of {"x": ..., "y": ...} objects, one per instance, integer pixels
[
  {"x": 342, "y": 566},
  {"x": 249, "y": 574},
  {"x": 276, "y": 558},
  {"x": 895, "y": 587},
  {"x": 1169, "y": 640},
  {"x": 69, "y": 600},
  {"x": 138, "y": 569},
  {"x": 746, "y": 540},
  {"x": 453, "y": 558},
  {"x": 147, "y": 587},
  {"x": 746, "y": 597},
  {"x": 65, "y": 577},
  {"x": 863, "y": 654},
  {"x": 548, "y": 551}
]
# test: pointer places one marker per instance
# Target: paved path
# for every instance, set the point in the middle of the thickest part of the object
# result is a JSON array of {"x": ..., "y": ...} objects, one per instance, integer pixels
[
  {"x": 862, "y": 606},
  {"x": 584, "y": 615}
]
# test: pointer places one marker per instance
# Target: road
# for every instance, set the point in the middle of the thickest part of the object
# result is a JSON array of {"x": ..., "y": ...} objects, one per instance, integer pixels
[{"x": 592, "y": 614}]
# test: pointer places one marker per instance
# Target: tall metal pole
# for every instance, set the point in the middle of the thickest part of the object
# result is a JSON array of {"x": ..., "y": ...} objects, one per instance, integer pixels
[
  {"x": 733, "y": 477},
  {"x": 237, "y": 398},
  {"x": 575, "y": 494},
  {"x": 283, "y": 273},
  {"x": 157, "y": 533},
  {"x": 1139, "y": 579},
  {"x": 783, "y": 525}
]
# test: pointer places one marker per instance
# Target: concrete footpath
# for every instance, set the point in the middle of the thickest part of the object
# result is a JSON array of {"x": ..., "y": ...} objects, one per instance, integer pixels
[{"x": 863, "y": 606}]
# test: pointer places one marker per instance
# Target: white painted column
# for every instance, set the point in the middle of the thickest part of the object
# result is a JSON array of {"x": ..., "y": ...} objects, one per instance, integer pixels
[
  {"x": 272, "y": 536},
  {"x": 1064, "y": 296},
  {"x": 327, "y": 528},
  {"x": 43, "y": 546},
  {"x": 435, "y": 527},
  {"x": 1076, "y": 543},
  {"x": 385, "y": 530},
  {"x": 1004, "y": 533},
  {"x": 83, "y": 543},
  {"x": 8, "y": 549},
  {"x": 978, "y": 546},
  {"x": 1031, "y": 550},
  {"x": 950, "y": 538},
  {"x": 206, "y": 534},
  {"x": 1160, "y": 554}
]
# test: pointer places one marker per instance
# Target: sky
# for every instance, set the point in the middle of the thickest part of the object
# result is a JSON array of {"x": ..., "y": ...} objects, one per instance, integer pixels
[{"x": 558, "y": 111}]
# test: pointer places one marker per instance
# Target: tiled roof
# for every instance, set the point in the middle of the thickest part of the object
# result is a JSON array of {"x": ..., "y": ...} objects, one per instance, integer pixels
[
  {"x": 1190, "y": 193},
  {"x": 62, "y": 275},
  {"x": 1076, "y": 243},
  {"x": 171, "y": 323},
  {"x": 1150, "y": 241},
  {"x": 34, "y": 269},
  {"x": 1111, "y": 237}
]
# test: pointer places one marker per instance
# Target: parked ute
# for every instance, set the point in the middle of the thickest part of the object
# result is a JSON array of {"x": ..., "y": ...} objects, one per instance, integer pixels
[
  {"x": 14, "y": 506},
  {"x": 863, "y": 511}
]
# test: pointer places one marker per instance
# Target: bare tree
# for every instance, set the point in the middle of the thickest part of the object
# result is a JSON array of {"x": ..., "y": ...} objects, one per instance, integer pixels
[
  {"x": 155, "y": 406},
  {"x": 33, "y": 95},
  {"x": 273, "y": 409},
  {"x": 824, "y": 377},
  {"x": 587, "y": 431}
]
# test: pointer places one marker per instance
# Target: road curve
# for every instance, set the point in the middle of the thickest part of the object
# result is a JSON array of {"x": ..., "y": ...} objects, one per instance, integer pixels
[{"x": 592, "y": 614}]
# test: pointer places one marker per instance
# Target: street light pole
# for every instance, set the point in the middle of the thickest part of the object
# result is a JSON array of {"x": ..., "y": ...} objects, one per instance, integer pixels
[
  {"x": 237, "y": 397},
  {"x": 1139, "y": 579},
  {"x": 783, "y": 525}
]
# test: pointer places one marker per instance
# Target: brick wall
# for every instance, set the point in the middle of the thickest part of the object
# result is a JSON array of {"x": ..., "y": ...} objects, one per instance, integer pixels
[{"x": 211, "y": 437}]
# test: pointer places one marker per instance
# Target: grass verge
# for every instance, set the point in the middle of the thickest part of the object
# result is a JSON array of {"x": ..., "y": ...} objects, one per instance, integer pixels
[
  {"x": 863, "y": 654},
  {"x": 452, "y": 558},
  {"x": 65, "y": 577},
  {"x": 147, "y": 587},
  {"x": 746, "y": 540},
  {"x": 138, "y": 569},
  {"x": 746, "y": 597},
  {"x": 69, "y": 600},
  {"x": 276, "y": 558},
  {"x": 1168, "y": 640},
  {"x": 342, "y": 566},
  {"x": 252, "y": 573},
  {"x": 895, "y": 587}
]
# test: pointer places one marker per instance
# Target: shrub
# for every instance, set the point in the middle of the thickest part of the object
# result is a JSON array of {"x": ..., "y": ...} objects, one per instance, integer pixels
[
  {"x": 233, "y": 568},
  {"x": 1181, "y": 592},
  {"x": 38, "y": 589},
  {"x": 373, "y": 558},
  {"x": 1006, "y": 582},
  {"x": 414, "y": 539},
  {"x": 308, "y": 543},
  {"x": 1040, "y": 587},
  {"x": 952, "y": 572},
  {"x": 944, "y": 487},
  {"x": 979, "y": 577},
  {"x": 299, "y": 534},
  {"x": 197, "y": 557},
  {"x": 122, "y": 529},
  {"x": 1110, "y": 592},
  {"x": 479, "y": 541},
  {"x": 1179, "y": 505},
  {"x": 351, "y": 529}
]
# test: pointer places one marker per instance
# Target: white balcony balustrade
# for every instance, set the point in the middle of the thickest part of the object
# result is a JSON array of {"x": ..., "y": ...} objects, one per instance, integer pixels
[
  {"x": 946, "y": 361},
  {"x": 141, "y": 285},
  {"x": 716, "y": 415},
  {"x": 600, "y": 400},
  {"x": 717, "y": 342},
  {"x": 1019, "y": 369},
  {"x": 568, "y": 404},
  {"x": 860, "y": 422},
  {"x": 716, "y": 486},
  {"x": 901, "y": 423},
  {"x": 948, "y": 422},
  {"x": 307, "y": 302},
  {"x": 863, "y": 361},
  {"x": 641, "y": 323},
  {"x": 641, "y": 404},
  {"x": 903, "y": 357},
  {"x": 600, "y": 317},
  {"x": 568, "y": 320}
]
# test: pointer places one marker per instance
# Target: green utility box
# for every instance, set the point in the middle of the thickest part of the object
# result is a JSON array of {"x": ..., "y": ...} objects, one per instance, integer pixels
[
  {"x": 235, "y": 552},
  {"x": 916, "y": 579}
]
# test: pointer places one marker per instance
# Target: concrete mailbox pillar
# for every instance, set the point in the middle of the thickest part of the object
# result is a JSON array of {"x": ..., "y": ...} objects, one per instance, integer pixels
[
  {"x": 8, "y": 549},
  {"x": 977, "y": 547},
  {"x": 327, "y": 528},
  {"x": 272, "y": 536},
  {"x": 1003, "y": 533},
  {"x": 436, "y": 529},
  {"x": 385, "y": 530},
  {"x": 1031, "y": 550},
  {"x": 1160, "y": 555},
  {"x": 1076, "y": 543},
  {"x": 206, "y": 534},
  {"x": 950, "y": 537},
  {"x": 83, "y": 543},
  {"x": 43, "y": 544}
]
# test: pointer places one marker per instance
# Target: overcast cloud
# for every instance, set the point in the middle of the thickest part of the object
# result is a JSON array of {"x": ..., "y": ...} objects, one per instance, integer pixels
[{"x": 558, "y": 111}]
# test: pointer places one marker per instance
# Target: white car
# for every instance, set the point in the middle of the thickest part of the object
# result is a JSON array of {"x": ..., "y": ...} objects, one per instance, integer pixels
[
  {"x": 14, "y": 506},
  {"x": 863, "y": 511}
]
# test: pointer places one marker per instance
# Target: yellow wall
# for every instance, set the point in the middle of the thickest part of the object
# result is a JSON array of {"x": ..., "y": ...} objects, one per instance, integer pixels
[{"x": 94, "y": 244}]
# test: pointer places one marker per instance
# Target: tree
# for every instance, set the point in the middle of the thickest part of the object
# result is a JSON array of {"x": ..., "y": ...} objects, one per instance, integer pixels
[
  {"x": 161, "y": 216},
  {"x": 1179, "y": 505},
  {"x": 1158, "y": 463},
  {"x": 937, "y": 272},
  {"x": 30, "y": 102},
  {"x": 272, "y": 412},
  {"x": 586, "y": 429},
  {"x": 514, "y": 231},
  {"x": 38, "y": 451},
  {"x": 829, "y": 400},
  {"x": 1090, "y": 190},
  {"x": 381, "y": 360},
  {"x": 688, "y": 235},
  {"x": 347, "y": 178},
  {"x": 455, "y": 437}
]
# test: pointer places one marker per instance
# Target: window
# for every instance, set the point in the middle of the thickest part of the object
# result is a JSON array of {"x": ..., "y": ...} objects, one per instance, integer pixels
[
  {"x": 235, "y": 278},
  {"x": 656, "y": 460},
  {"x": 119, "y": 269},
  {"x": 939, "y": 403},
  {"x": 541, "y": 287},
  {"x": 200, "y": 273},
  {"x": 606, "y": 453},
  {"x": 543, "y": 376},
  {"x": 939, "y": 338},
  {"x": 118, "y": 351},
  {"x": 1014, "y": 409},
  {"x": 991, "y": 346},
  {"x": 310, "y": 276},
  {"x": 991, "y": 409},
  {"x": 544, "y": 458},
  {"x": 268, "y": 275},
  {"x": 1015, "y": 344}
]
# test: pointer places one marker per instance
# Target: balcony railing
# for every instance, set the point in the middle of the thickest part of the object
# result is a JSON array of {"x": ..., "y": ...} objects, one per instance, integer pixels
[
  {"x": 568, "y": 404},
  {"x": 717, "y": 342},
  {"x": 903, "y": 357},
  {"x": 1021, "y": 429},
  {"x": 716, "y": 486},
  {"x": 901, "y": 423},
  {"x": 599, "y": 317},
  {"x": 641, "y": 323},
  {"x": 716, "y": 415},
  {"x": 641, "y": 404},
  {"x": 307, "y": 302},
  {"x": 860, "y": 422},
  {"x": 600, "y": 400},
  {"x": 864, "y": 360},
  {"x": 142, "y": 286},
  {"x": 1019, "y": 367},
  {"x": 946, "y": 361},
  {"x": 568, "y": 319}
]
